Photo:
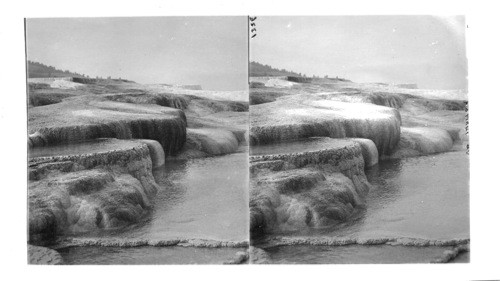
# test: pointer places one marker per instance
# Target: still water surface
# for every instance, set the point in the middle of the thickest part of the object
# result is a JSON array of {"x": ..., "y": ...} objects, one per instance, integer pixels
[
  {"x": 200, "y": 198},
  {"x": 423, "y": 197}
]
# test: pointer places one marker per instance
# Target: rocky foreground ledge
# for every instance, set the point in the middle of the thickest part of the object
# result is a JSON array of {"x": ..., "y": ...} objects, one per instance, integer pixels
[
  {"x": 307, "y": 183},
  {"x": 104, "y": 183},
  {"x": 43, "y": 256}
]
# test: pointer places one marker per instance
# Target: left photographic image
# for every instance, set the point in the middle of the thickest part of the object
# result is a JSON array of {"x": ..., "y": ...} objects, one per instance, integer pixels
[{"x": 137, "y": 140}]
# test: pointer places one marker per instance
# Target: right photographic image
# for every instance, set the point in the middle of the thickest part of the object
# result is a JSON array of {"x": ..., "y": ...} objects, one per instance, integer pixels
[{"x": 359, "y": 148}]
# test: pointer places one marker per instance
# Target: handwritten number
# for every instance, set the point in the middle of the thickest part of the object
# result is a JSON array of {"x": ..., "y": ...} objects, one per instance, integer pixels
[{"x": 253, "y": 26}]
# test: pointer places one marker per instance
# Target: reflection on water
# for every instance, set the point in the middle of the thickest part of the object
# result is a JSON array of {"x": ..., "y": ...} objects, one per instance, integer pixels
[
  {"x": 208, "y": 198},
  {"x": 425, "y": 197}
]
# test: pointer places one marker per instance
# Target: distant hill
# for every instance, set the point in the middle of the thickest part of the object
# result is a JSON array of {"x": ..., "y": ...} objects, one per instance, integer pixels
[
  {"x": 40, "y": 70},
  {"x": 259, "y": 70}
]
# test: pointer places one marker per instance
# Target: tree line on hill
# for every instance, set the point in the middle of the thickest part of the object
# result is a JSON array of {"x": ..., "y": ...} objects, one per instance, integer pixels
[
  {"x": 260, "y": 70},
  {"x": 40, "y": 70}
]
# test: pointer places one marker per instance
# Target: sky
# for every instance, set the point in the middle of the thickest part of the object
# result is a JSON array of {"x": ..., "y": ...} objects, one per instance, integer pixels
[
  {"x": 207, "y": 51},
  {"x": 426, "y": 50}
]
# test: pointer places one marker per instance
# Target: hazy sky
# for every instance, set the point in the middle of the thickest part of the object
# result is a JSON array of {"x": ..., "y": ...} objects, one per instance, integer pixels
[
  {"x": 211, "y": 51},
  {"x": 429, "y": 51}
]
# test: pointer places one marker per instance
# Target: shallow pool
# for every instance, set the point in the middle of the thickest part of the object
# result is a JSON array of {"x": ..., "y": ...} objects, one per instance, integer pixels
[
  {"x": 203, "y": 198},
  {"x": 423, "y": 197}
]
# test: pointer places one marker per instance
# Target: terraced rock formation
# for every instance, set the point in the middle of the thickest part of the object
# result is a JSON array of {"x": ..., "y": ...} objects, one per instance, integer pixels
[
  {"x": 292, "y": 120},
  {"x": 105, "y": 183},
  {"x": 309, "y": 183},
  {"x": 310, "y": 143},
  {"x": 382, "y": 113},
  {"x": 93, "y": 146},
  {"x": 85, "y": 118}
]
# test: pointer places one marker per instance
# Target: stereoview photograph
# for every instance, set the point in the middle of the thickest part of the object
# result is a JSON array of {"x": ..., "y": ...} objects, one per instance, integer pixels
[
  {"x": 247, "y": 140},
  {"x": 138, "y": 149},
  {"x": 358, "y": 140}
]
